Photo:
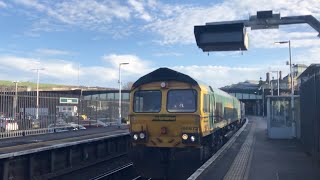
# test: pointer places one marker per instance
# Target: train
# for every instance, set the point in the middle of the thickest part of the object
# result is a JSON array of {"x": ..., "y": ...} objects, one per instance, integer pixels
[{"x": 177, "y": 120}]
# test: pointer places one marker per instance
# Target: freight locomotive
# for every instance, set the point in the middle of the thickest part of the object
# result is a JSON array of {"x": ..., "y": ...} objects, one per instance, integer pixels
[{"x": 177, "y": 122}]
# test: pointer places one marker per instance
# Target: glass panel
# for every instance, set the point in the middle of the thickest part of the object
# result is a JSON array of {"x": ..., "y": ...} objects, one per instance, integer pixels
[
  {"x": 95, "y": 97},
  {"x": 110, "y": 96},
  {"x": 125, "y": 96},
  {"x": 245, "y": 96},
  {"x": 206, "y": 103},
  {"x": 116, "y": 96},
  {"x": 87, "y": 97},
  {"x": 182, "y": 100},
  {"x": 280, "y": 112},
  {"x": 147, "y": 101},
  {"x": 103, "y": 96}
]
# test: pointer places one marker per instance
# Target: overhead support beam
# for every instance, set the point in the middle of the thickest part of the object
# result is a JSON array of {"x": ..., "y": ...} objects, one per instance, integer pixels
[{"x": 213, "y": 36}]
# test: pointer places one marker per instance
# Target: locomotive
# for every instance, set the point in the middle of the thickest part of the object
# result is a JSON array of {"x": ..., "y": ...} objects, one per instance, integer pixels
[{"x": 177, "y": 122}]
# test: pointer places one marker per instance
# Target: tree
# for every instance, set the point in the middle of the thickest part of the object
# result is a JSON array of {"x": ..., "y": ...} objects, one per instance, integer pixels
[{"x": 127, "y": 86}]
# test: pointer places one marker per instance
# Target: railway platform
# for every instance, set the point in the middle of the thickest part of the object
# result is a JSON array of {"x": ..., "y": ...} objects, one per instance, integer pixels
[
  {"x": 28, "y": 143},
  {"x": 251, "y": 155},
  {"x": 51, "y": 156}
]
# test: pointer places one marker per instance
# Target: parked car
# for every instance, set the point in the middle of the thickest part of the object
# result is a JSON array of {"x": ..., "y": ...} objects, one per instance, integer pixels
[
  {"x": 8, "y": 124},
  {"x": 66, "y": 127}
]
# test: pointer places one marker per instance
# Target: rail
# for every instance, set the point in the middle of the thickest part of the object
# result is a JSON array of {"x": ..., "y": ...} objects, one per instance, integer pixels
[{"x": 112, "y": 173}]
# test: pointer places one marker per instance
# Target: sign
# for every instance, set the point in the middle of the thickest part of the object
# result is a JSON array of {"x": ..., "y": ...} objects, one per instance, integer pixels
[
  {"x": 221, "y": 37},
  {"x": 65, "y": 100}
]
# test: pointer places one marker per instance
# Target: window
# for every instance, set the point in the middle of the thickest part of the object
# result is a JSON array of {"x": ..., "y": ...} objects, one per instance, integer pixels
[
  {"x": 206, "y": 103},
  {"x": 218, "y": 112},
  {"x": 147, "y": 101},
  {"x": 110, "y": 96},
  {"x": 183, "y": 100},
  {"x": 103, "y": 96},
  {"x": 125, "y": 96}
]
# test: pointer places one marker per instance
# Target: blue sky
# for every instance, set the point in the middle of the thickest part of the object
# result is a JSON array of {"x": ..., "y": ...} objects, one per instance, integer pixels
[{"x": 97, "y": 35}]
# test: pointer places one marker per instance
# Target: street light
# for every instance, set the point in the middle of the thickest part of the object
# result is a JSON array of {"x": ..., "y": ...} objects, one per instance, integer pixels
[
  {"x": 291, "y": 75},
  {"x": 119, "y": 121},
  {"x": 15, "y": 99},
  {"x": 38, "y": 75}
]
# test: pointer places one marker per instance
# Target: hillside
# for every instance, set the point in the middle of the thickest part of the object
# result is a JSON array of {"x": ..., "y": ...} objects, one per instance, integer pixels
[{"x": 31, "y": 84}]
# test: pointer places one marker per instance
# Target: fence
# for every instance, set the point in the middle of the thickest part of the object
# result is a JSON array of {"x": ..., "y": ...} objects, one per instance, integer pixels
[
  {"x": 19, "y": 115},
  {"x": 310, "y": 115}
]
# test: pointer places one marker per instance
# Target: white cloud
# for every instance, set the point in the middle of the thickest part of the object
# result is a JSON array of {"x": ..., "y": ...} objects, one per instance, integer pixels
[
  {"x": 309, "y": 56},
  {"x": 266, "y": 38},
  {"x": 219, "y": 76},
  {"x": 111, "y": 17},
  {"x": 139, "y": 7},
  {"x": 106, "y": 74},
  {"x": 176, "y": 25},
  {"x": 52, "y": 52},
  {"x": 66, "y": 72},
  {"x": 2, "y": 4},
  {"x": 135, "y": 66}
]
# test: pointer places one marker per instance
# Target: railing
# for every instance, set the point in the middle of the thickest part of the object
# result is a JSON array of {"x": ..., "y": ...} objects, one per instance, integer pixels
[{"x": 19, "y": 112}]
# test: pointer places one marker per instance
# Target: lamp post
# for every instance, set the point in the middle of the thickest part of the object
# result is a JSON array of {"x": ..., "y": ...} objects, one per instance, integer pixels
[
  {"x": 262, "y": 96},
  {"x": 38, "y": 77},
  {"x": 291, "y": 77},
  {"x": 15, "y": 99},
  {"x": 119, "y": 120},
  {"x": 278, "y": 81}
]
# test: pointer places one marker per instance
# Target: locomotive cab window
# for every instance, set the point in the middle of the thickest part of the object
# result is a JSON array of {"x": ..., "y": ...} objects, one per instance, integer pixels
[
  {"x": 147, "y": 101},
  {"x": 182, "y": 100},
  {"x": 206, "y": 103}
]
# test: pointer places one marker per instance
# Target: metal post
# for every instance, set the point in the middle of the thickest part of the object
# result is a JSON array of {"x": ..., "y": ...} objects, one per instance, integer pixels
[
  {"x": 37, "y": 109},
  {"x": 38, "y": 77},
  {"x": 119, "y": 120},
  {"x": 291, "y": 77},
  {"x": 278, "y": 83},
  {"x": 263, "y": 101},
  {"x": 292, "y": 92},
  {"x": 78, "y": 74},
  {"x": 271, "y": 88},
  {"x": 15, "y": 100}
]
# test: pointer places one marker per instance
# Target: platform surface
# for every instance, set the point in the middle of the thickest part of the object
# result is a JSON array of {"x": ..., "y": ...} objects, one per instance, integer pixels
[
  {"x": 27, "y": 143},
  {"x": 254, "y": 156}
]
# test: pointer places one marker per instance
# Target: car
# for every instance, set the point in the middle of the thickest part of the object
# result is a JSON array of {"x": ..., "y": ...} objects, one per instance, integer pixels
[
  {"x": 63, "y": 127},
  {"x": 8, "y": 124},
  {"x": 77, "y": 126}
]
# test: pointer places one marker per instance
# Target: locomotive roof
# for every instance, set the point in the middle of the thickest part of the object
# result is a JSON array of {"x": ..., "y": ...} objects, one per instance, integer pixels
[{"x": 164, "y": 74}]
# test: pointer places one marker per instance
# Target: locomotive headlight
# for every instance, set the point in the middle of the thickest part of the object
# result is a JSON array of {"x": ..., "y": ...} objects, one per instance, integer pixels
[
  {"x": 142, "y": 135},
  {"x": 135, "y": 136},
  {"x": 193, "y": 138},
  {"x": 163, "y": 84},
  {"x": 185, "y": 136}
]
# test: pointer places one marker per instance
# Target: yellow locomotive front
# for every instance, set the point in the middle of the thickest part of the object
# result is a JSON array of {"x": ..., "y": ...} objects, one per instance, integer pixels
[
  {"x": 165, "y": 114},
  {"x": 165, "y": 123}
]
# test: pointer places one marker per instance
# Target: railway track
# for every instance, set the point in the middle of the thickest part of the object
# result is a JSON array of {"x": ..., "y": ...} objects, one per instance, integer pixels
[
  {"x": 123, "y": 172},
  {"x": 141, "y": 178}
]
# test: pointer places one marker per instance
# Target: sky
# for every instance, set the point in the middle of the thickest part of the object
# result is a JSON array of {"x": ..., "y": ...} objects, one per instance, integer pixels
[{"x": 83, "y": 41}]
